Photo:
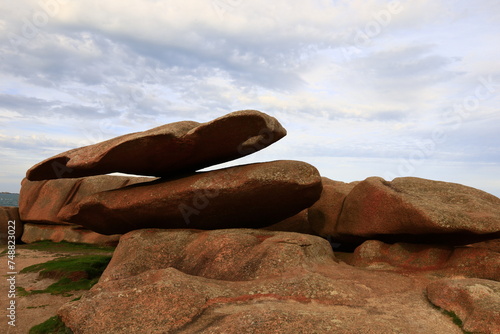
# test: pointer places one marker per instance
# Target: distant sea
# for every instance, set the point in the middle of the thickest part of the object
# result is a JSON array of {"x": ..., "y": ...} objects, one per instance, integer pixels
[{"x": 9, "y": 199}]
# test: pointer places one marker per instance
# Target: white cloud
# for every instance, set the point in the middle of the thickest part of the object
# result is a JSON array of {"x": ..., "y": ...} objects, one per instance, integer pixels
[{"x": 358, "y": 84}]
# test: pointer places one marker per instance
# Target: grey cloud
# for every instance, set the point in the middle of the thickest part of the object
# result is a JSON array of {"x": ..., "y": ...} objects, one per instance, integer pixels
[
  {"x": 36, "y": 107},
  {"x": 416, "y": 63}
]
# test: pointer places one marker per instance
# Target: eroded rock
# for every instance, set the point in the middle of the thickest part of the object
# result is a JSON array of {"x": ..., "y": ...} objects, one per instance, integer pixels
[
  {"x": 168, "y": 149},
  {"x": 325, "y": 213},
  {"x": 431, "y": 259},
  {"x": 70, "y": 233},
  {"x": 254, "y": 195},
  {"x": 41, "y": 201},
  {"x": 230, "y": 281},
  {"x": 419, "y": 210}
]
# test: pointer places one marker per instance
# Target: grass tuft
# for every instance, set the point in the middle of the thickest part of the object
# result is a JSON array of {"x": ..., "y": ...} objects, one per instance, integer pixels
[
  {"x": 52, "y": 325},
  {"x": 74, "y": 273}
]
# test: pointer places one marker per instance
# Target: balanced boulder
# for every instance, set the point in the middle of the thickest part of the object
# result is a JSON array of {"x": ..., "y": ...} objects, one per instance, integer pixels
[
  {"x": 254, "y": 195},
  {"x": 41, "y": 201},
  {"x": 419, "y": 210},
  {"x": 168, "y": 149}
]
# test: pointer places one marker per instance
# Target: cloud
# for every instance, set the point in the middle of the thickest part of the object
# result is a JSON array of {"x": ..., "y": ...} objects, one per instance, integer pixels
[{"x": 363, "y": 82}]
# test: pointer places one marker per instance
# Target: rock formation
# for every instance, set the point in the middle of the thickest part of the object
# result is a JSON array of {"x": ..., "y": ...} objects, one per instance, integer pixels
[
  {"x": 70, "y": 233},
  {"x": 168, "y": 149},
  {"x": 180, "y": 269},
  {"x": 438, "y": 260},
  {"x": 254, "y": 195},
  {"x": 410, "y": 205},
  {"x": 325, "y": 213},
  {"x": 230, "y": 281},
  {"x": 10, "y": 224},
  {"x": 41, "y": 201}
]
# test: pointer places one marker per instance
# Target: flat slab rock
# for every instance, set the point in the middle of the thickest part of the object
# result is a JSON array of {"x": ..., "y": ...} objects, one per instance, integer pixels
[
  {"x": 167, "y": 149},
  {"x": 240, "y": 280},
  {"x": 41, "y": 201},
  {"x": 419, "y": 210},
  {"x": 254, "y": 195}
]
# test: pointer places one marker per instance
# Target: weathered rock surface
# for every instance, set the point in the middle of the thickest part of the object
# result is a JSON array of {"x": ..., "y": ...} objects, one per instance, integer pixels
[
  {"x": 432, "y": 259},
  {"x": 41, "y": 201},
  {"x": 254, "y": 195},
  {"x": 232, "y": 281},
  {"x": 167, "y": 149},
  {"x": 475, "y": 301},
  {"x": 419, "y": 210},
  {"x": 324, "y": 214},
  {"x": 69, "y": 233},
  {"x": 230, "y": 255},
  {"x": 10, "y": 224}
]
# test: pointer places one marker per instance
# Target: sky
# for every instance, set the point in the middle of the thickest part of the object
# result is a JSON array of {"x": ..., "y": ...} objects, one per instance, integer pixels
[{"x": 364, "y": 88}]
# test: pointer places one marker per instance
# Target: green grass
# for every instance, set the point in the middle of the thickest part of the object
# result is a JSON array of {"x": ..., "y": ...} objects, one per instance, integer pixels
[
  {"x": 93, "y": 265},
  {"x": 87, "y": 267},
  {"x": 41, "y": 306},
  {"x": 456, "y": 320},
  {"x": 52, "y": 325}
]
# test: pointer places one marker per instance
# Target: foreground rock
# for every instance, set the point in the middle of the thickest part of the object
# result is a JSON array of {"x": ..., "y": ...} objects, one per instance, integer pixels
[
  {"x": 70, "y": 233},
  {"x": 253, "y": 195},
  {"x": 475, "y": 301},
  {"x": 419, "y": 210},
  {"x": 10, "y": 224},
  {"x": 168, "y": 149},
  {"x": 434, "y": 260},
  {"x": 41, "y": 201},
  {"x": 228, "y": 255},
  {"x": 230, "y": 281}
]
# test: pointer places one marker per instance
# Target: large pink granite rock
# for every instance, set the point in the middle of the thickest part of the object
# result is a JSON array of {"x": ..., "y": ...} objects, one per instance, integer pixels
[
  {"x": 168, "y": 149},
  {"x": 475, "y": 301},
  {"x": 10, "y": 224},
  {"x": 41, "y": 201},
  {"x": 70, "y": 233},
  {"x": 254, "y": 195},
  {"x": 239, "y": 281},
  {"x": 438, "y": 260},
  {"x": 419, "y": 210},
  {"x": 324, "y": 214}
]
